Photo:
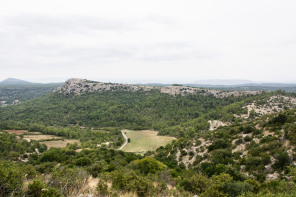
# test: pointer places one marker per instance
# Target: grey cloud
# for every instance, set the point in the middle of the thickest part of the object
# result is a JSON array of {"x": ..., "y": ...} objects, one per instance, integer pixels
[
  {"x": 177, "y": 56},
  {"x": 31, "y": 40},
  {"x": 176, "y": 44},
  {"x": 48, "y": 25},
  {"x": 176, "y": 51},
  {"x": 160, "y": 19},
  {"x": 96, "y": 52}
]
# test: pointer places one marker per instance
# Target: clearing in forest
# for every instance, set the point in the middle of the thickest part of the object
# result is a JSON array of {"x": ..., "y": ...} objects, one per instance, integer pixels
[
  {"x": 51, "y": 140},
  {"x": 41, "y": 137},
  {"x": 17, "y": 132},
  {"x": 145, "y": 140},
  {"x": 21, "y": 132},
  {"x": 59, "y": 143}
]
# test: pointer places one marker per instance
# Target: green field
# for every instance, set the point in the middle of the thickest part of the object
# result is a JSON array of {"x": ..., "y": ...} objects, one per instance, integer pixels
[{"x": 145, "y": 140}]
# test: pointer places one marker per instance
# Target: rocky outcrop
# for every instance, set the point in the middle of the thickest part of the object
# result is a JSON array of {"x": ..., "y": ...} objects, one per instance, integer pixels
[{"x": 83, "y": 86}]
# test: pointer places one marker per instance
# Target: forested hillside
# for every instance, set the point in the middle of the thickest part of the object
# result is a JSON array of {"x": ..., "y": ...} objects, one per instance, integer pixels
[
  {"x": 177, "y": 115},
  {"x": 132, "y": 110},
  {"x": 228, "y": 143}
]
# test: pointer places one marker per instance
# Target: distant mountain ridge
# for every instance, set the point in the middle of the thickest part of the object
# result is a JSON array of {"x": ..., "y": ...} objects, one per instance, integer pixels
[
  {"x": 223, "y": 82},
  {"x": 249, "y": 87},
  {"x": 14, "y": 81},
  {"x": 234, "y": 85}
]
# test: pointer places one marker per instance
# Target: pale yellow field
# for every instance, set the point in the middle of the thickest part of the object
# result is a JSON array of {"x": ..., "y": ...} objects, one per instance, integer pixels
[
  {"x": 59, "y": 143},
  {"x": 145, "y": 140},
  {"x": 17, "y": 132},
  {"x": 21, "y": 132},
  {"x": 40, "y": 137}
]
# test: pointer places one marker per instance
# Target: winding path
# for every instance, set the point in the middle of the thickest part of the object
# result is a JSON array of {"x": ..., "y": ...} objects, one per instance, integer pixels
[{"x": 126, "y": 141}]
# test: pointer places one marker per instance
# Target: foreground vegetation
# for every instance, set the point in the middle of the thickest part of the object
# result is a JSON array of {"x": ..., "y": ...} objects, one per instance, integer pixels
[{"x": 65, "y": 172}]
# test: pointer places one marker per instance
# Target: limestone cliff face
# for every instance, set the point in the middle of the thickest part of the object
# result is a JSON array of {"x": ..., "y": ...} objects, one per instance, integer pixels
[{"x": 81, "y": 86}]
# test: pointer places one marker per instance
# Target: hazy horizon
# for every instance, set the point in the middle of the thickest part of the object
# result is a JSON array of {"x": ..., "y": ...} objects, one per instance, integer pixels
[
  {"x": 148, "y": 42},
  {"x": 200, "y": 82}
]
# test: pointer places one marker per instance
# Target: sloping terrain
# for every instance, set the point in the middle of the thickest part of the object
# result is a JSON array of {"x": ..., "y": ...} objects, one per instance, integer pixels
[
  {"x": 269, "y": 105},
  {"x": 261, "y": 148},
  {"x": 227, "y": 143},
  {"x": 128, "y": 106}
]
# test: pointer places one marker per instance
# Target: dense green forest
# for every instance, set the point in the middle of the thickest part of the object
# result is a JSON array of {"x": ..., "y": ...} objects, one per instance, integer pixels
[
  {"x": 250, "y": 156},
  {"x": 170, "y": 115}
]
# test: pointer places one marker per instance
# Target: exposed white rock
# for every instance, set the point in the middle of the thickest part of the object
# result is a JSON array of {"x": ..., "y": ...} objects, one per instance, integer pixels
[
  {"x": 217, "y": 123},
  {"x": 83, "y": 86},
  {"x": 274, "y": 104},
  {"x": 273, "y": 176}
]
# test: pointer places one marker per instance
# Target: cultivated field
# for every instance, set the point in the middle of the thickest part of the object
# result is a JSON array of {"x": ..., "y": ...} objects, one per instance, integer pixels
[
  {"x": 17, "y": 132},
  {"x": 49, "y": 140},
  {"x": 59, "y": 143},
  {"x": 145, "y": 140},
  {"x": 40, "y": 137},
  {"x": 22, "y": 132}
]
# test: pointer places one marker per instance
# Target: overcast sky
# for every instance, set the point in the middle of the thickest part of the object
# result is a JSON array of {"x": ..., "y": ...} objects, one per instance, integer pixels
[{"x": 148, "y": 41}]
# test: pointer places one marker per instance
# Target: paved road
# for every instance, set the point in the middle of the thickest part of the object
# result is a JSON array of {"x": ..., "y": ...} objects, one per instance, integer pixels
[{"x": 125, "y": 141}]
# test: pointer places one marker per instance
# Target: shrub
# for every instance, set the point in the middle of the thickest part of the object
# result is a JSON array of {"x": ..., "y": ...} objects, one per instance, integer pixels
[
  {"x": 11, "y": 179},
  {"x": 249, "y": 129},
  {"x": 30, "y": 171},
  {"x": 278, "y": 120},
  {"x": 83, "y": 161},
  {"x": 149, "y": 165},
  {"x": 39, "y": 189},
  {"x": 282, "y": 160},
  {"x": 102, "y": 188},
  {"x": 95, "y": 169},
  {"x": 130, "y": 182},
  {"x": 248, "y": 139},
  {"x": 219, "y": 144},
  {"x": 196, "y": 184},
  {"x": 216, "y": 187},
  {"x": 252, "y": 163},
  {"x": 221, "y": 156}
]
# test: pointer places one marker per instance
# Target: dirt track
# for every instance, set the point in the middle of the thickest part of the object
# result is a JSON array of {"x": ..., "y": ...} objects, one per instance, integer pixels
[{"x": 126, "y": 141}]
